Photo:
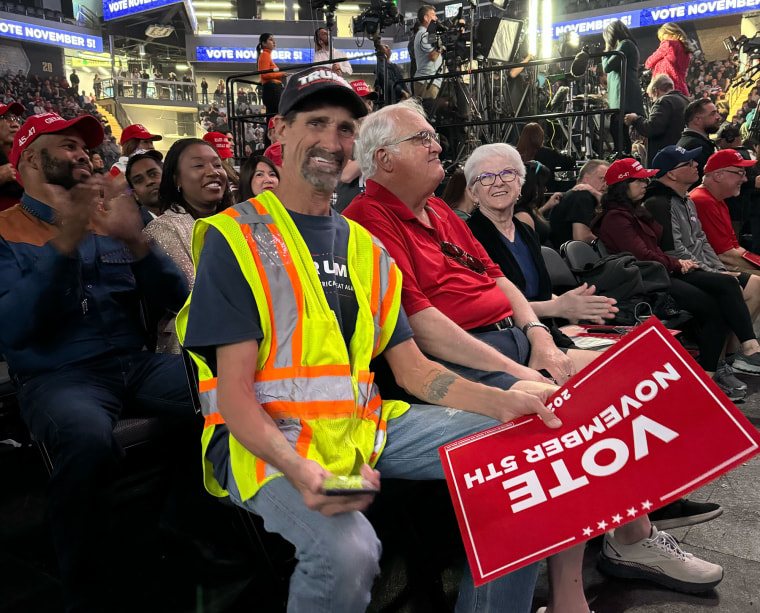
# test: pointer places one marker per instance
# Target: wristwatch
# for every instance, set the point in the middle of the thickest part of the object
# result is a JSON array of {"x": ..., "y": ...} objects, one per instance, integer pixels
[{"x": 534, "y": 324}]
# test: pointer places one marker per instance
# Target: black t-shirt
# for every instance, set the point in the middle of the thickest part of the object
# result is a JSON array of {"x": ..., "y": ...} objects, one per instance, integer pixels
[
  {"x": 223, "y": 309},
  {"x": 574, "y": 207}
]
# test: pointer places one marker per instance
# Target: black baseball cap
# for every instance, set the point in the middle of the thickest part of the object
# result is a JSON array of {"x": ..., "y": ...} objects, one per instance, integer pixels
[{"x": 335, "y": 90}]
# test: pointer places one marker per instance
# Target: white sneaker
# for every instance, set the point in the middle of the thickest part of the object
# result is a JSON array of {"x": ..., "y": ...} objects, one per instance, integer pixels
[{"x": 659, "y": 559}]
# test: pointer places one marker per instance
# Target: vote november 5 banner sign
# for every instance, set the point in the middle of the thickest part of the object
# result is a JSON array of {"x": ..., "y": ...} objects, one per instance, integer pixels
[{"x": 642, "y": 426}]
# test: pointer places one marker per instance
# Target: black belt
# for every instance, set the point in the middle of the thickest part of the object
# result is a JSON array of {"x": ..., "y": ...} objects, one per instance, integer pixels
[{"x": 502, "y": 324}]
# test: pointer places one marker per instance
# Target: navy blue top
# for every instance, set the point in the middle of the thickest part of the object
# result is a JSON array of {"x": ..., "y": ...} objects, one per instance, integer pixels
[
  {"x": 223, "y": 296},
  {"x": 58, "y": 310},
  {"x": 519, "y": 249}
]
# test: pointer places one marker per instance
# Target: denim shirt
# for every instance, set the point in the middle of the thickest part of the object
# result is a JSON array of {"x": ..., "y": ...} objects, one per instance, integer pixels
[{"x": 58, "y": 310}]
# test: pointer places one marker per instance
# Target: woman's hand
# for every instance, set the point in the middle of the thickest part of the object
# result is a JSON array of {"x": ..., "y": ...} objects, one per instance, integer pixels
[{"x": 687, "y": 266}]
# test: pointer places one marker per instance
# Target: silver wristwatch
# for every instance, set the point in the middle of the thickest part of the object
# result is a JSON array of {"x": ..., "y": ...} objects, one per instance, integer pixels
[{"x": 534, "y": 324}]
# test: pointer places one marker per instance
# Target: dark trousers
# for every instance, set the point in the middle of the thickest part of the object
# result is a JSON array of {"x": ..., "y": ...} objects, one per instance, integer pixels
[
  {"x": 716, "y": 302},
  {"x": 621, "y": 146},
  {"x": 727, "y": 292},
  {"x": 270, "y": 96},
  {"x": 73, "y": 411}
]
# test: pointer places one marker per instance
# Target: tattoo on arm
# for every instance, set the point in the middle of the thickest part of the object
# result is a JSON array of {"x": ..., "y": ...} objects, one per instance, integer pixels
[{"x": 436, "y": 388}]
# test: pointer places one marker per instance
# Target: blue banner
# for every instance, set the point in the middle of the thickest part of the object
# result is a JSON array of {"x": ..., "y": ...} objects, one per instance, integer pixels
[
  {"x": 113, "y": 9},
  {"x": 50, "y": 36},
  {"x": 657, "y": 16},
  {"x": 291, "y": 56}
]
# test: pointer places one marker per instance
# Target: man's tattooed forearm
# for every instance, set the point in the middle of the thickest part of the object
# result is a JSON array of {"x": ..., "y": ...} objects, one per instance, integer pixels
[{"x": 436, "y": 388}]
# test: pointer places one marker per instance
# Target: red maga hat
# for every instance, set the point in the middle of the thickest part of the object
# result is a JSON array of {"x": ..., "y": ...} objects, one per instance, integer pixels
[
  {"x": 725, "y": 158},
  {"x": 86, "y": 126},
  {"x": 138, "y": 131},
  {"x": 628, "y": 168}
]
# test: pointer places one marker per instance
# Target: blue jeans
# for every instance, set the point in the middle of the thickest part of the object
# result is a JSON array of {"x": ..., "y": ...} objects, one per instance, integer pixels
[
  {"x": 73, "y": 411},
  {"x": 338, "y": 556}
]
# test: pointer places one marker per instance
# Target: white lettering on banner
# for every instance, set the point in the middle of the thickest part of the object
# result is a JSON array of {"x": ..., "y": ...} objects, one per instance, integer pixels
[
  {"x": 508, "y": 465},
  {"x": 592, "y": 25},
  {"x": 528, "y": 491},
  {"x": 11, "y": 28},
  {"x": 123, "y": 5}
]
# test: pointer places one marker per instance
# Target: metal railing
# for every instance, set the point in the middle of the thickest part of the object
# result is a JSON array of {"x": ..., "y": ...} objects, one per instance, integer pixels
[{"x": 147, "y": 89}]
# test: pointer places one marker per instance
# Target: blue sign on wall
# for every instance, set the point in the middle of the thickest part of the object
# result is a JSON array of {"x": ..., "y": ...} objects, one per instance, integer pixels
[
  {"x": 293, "y": 55},
  {"x": 658, "y": 15},
  {"x": 50, "y": 36},
  {"x": 113, "y": 9}
]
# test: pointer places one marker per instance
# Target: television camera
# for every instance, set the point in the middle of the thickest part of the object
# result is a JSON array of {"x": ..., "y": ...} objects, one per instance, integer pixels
[{"x": 380, "y": 15}]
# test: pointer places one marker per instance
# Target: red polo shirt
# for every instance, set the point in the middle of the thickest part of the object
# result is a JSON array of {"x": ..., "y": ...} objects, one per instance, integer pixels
[
  {"x": 715, "y": 219},
  {"x": 429, "y": 277}
]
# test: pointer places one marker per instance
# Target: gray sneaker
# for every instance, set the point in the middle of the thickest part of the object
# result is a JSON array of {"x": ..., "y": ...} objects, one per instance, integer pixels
[
  {"x": 749, "y": 364},
  {"x": 659, "y": 559},
  {"x": 731, "y": 386}
]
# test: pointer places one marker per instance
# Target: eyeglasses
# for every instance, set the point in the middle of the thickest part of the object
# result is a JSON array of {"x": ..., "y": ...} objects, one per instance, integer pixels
[
  {"x": 687, "y": 163},
  {"x": 741, "y": 173},
  {"x": 455, "y": 252},
  {"x": 12, "y": 118},
  {"x": 423, "y": 138},
  {"x": 488, "y": 178}
]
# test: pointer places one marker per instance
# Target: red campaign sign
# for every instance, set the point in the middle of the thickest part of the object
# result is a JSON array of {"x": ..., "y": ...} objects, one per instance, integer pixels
[{"x": 642, "y": 426}]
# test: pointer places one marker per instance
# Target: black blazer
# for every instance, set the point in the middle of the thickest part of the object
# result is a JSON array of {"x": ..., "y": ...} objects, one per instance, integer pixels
[{"x": 490, "y": 238}]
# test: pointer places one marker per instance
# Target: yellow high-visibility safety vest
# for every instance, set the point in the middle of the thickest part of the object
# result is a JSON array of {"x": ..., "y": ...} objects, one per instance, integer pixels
[{"x": 320, "y": 393}]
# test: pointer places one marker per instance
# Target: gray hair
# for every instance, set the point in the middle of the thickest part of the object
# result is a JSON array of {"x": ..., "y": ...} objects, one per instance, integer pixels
[
  {"x": 590, "y": 167},
  {"x": 377, "y": 130},
  {"x": 495, "y": 150},
  {"x": 661, "y": 83}
]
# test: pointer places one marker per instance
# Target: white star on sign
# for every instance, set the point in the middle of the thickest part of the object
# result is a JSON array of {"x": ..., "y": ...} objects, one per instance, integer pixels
[
  {"x": 602, "y": 525},
  {"x": 617, "y": 518},
  {"x": 646, "y": 505},
  {"x": 631, "y": 512},
  {"x": 587, "y": 531}
]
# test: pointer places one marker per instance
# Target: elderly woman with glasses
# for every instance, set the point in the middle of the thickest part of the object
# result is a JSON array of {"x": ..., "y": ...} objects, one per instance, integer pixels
[
  {"x": 714, "y": 299},
  {"x": 495, "y": 176}
]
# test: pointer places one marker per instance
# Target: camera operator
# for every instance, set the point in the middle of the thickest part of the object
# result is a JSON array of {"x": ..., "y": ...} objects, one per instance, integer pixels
[{"x": 427, "y": 54}]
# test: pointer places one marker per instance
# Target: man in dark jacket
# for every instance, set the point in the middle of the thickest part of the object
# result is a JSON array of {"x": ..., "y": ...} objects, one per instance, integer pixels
[
  {"x": 702, "y": 119},
  {"x": 74, "y": 266},
  {"x": 666, "y": 119}
]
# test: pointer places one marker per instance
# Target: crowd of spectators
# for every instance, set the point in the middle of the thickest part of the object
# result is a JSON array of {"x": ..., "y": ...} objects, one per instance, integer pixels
[{"x": 54, "y": 94}]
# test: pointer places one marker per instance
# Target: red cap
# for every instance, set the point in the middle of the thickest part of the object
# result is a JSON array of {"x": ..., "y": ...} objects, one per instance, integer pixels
[
  {"x": 221, "y": 144},
  {"x": 14, "y": 107},
  {"x": 725, "y": 158},
  {"x": 628, "y": 168},
  {"x": 86, "y": 126},
  {"x": 138, "y": 131},
  {"x": 362, "y": 89},
  {"x": 274, "y": 153}
]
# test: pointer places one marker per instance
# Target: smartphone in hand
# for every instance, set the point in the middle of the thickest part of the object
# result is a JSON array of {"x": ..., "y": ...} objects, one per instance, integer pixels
[{"x": 347, "y": 486}]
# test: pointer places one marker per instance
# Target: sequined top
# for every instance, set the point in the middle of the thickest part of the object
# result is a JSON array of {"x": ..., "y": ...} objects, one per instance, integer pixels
[{"x": 172, "y": 232}]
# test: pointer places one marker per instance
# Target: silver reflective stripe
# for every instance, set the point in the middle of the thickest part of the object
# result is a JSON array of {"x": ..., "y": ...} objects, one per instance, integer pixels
[
  {"x": 302, "y": 388},
  {"x": 285, "y": 313},
  {"x": 208, "y": 402},
  {"x": 384, "y": 267},
  {"x": 367, "y": 392},
  {"x": 291, "y": 430}
]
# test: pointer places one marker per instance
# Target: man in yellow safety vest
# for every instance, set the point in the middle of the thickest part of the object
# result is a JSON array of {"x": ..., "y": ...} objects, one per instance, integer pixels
[{"x": 291, "y": 302}]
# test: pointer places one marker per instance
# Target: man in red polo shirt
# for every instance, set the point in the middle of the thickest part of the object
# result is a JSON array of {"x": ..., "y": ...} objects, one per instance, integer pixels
[
  {"x": 450, "y": 285},
  {"x": 724, "y": 174}
]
